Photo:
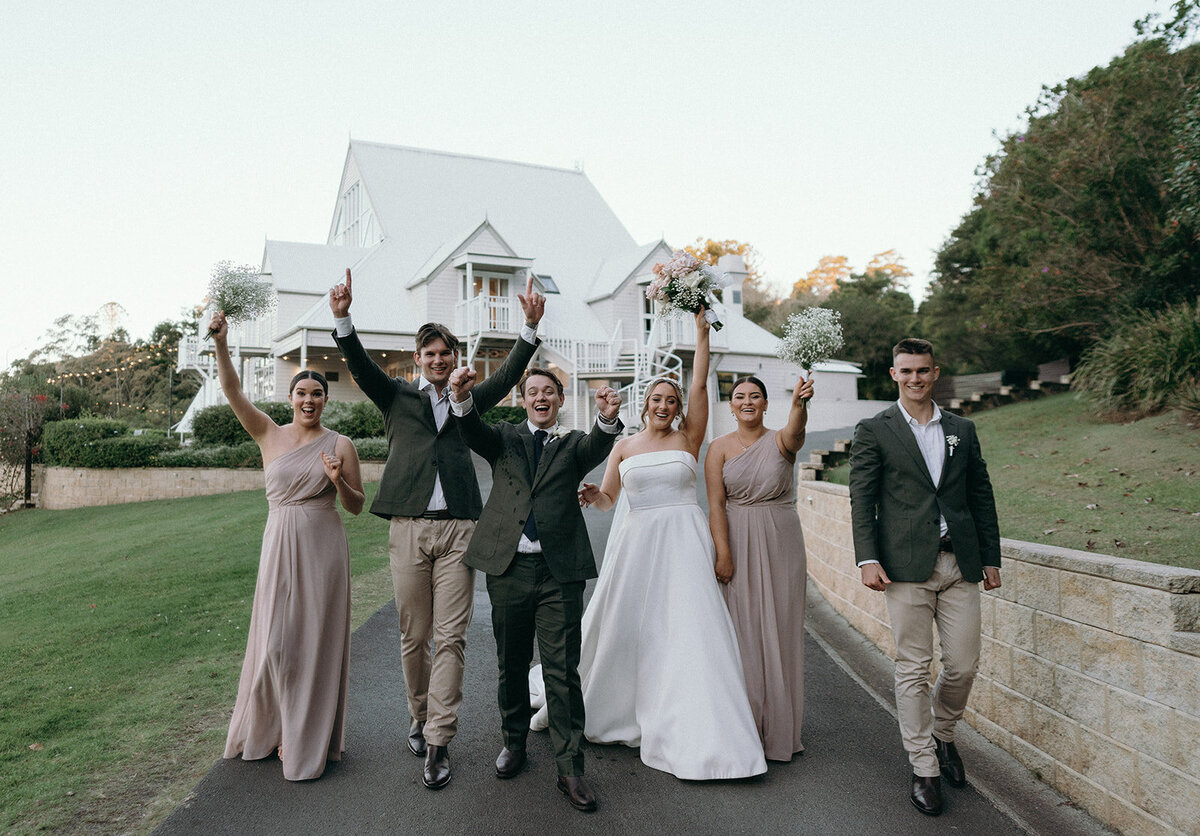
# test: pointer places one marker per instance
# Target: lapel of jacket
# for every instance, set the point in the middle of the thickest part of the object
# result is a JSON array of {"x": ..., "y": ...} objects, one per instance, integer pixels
[
  {"x": 526, "y": 438},
  {"x": 949, "y": 428},
  {"x": 548, "y": 453},
  {"x": 902, "y": 432},
  {"x": 425, "y": 405}
]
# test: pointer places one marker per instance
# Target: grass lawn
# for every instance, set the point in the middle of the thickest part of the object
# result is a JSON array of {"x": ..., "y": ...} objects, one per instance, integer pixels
[
  {"x": 1067, "y": 479},
  {"x": 122, "y": 631}
]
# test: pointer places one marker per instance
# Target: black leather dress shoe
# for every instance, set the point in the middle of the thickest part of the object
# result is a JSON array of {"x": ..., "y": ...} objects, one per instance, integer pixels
[
  {"x": 510, "y": 763},
  {"x": 577, "y": 792},
  {"x": 416, "y": 738},
  {"x": 951, "y": 763},
  {"x": 927, "y": 795},
  {"x": 437, "y": 767}
]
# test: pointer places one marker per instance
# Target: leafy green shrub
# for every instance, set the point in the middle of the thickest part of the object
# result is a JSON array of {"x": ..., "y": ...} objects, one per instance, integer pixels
[
  {"x": 511, "y": 414},
  {"x": 361, "y": 419},
  {"x": 246, "y": 454},
  {"x": 1146, "y": 366},
  {"x": 217, "y": 425},
  {"x": 371, "y": 449},
  {"x": 64, "y": 442}
]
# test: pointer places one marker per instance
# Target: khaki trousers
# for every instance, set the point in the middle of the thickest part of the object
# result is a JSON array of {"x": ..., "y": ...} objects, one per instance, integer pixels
[
  {"x": 953, "y": 603},
  {"x": 434, "y": 599}
]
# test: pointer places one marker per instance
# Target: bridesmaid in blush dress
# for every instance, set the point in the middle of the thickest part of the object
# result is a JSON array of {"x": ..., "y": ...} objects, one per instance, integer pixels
[
  {"x": 291, "y": 697},
  {"x": 749, "y": 474}
]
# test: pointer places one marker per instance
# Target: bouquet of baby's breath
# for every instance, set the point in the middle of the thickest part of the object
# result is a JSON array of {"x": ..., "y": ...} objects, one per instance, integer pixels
[
  {"x": 239, "y": 291},
  {"x": 686, "y": 284},
  {"x": 811, "y": 335}
]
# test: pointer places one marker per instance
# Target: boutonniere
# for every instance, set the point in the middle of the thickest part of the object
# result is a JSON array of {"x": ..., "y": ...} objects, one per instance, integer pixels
[
  {"x": 560, "y": 432},
  {"x": 952, "y": 442}
]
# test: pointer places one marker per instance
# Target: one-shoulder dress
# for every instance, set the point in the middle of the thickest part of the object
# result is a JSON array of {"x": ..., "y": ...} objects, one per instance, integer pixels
[
  {"x": 292, "y": 691},
  {"x": 766, "y": 596},
  {"x": 659, "y": 662}
]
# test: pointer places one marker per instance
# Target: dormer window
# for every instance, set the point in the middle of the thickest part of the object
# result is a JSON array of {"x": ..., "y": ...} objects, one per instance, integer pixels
[{"x": 546, "y": 283}]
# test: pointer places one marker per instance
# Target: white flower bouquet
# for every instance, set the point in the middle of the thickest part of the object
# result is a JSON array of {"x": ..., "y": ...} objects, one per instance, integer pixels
[
  {"x": 686, "y": 284},
  {"x": 811, "y": 335},
  {"x": 239, "y": 291}
]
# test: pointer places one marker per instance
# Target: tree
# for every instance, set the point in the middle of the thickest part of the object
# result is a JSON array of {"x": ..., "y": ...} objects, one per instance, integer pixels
[
  {"x": 710, "y": 252},
  {"x": 1074, "y": 224},
  {"x": 822, "y": 280},
  {"x": 22, "y": 414},
  {"x": 876, "y": 314}
]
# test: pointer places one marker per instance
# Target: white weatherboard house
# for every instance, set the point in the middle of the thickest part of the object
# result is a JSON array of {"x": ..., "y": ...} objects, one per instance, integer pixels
[{"x": 451, "y": 238}]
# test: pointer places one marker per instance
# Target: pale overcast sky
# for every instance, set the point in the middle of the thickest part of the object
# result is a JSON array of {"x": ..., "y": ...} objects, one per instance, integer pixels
[{"x": 141, "y": 142}]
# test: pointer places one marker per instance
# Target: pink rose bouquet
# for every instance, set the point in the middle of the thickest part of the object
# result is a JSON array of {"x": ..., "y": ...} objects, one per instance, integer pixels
[{"x": 686, "y": 284}]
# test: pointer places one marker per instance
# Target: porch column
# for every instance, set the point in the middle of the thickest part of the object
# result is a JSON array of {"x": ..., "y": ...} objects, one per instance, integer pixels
[{"x": 303, "y": 348}]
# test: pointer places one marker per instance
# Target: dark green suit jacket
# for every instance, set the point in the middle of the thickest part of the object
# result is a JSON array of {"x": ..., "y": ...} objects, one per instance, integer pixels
[
  {"x": 894, "y": 503},
  {"x": 417, "y": 452},
  {"x": 550, "y": 495}
]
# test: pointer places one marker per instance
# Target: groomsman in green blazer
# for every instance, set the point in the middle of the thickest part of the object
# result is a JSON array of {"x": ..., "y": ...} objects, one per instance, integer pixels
[
  {"x": 925, "y": 534},
  {"x": 533, "y": 544},
  {"x": 429, "y": 493}
]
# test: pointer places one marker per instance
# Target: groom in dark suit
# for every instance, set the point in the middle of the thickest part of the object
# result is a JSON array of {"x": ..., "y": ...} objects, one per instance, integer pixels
[
  {"x": 533, "y": 544},
  {"x": 925, "y": 534},
  {"x": 429, "y": 494}
]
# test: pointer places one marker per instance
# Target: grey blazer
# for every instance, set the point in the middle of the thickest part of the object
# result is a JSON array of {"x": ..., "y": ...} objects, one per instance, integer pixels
[
  {"x": 549, "y": 494},
  {"x": 895, "y": 505},
  {"x": 417, "y": 452}
]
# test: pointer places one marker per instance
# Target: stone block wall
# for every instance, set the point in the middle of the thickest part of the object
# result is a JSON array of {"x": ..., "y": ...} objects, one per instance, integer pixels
[
  {"x": 1090, "y": 672},
  {"x": 72, "y": 487}
]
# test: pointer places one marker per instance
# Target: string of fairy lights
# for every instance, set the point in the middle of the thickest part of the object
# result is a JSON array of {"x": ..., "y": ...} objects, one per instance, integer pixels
[{"x": 128, "y": 364}]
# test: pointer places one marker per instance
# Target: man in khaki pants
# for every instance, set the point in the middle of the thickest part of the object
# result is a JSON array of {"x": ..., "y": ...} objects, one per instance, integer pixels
[
  {"x": 429, "y": 493},
  {"x": 925, "y": 534}
]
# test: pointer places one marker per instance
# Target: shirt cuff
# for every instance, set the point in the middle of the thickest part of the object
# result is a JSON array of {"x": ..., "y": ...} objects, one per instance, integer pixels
[
  {"x": 611, "y": 427},
  {"x": 529, "y": 333},
  {"x": 342, "y": 326},
  {"x": 865, "y": 562},
  {"x": 463, "y": 408}
]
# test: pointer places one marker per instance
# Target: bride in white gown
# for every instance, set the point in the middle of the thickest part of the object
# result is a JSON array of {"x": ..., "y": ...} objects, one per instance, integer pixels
[{"x": 659, "y": 662}]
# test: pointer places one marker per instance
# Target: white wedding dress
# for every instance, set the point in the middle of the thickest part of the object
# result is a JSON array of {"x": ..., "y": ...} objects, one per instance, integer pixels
[{"x": 659, "y": 662}]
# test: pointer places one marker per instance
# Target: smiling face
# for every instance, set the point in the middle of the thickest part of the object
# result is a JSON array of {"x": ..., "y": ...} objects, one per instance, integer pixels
[
  {"x": 542, "y": 400},
  {"x": 915, "y": 375},
  {"x": 308, "y": 402},
  {"x": 436, "y": 360},
  {"x": 748, "y": 404},
  {"x": 661, "y": 407}
]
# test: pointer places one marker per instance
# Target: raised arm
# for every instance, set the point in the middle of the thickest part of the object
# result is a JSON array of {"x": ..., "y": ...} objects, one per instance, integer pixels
[
  {"x": 718, "y": 520},
  {"x": 605, "y": 496},
  {"x": 791, "y": 438},
  {"x": 481, "y": 438},
  {"x": 371, "y": 379},
  {"x": 500, "y": 382},
  {"x": 254, "y": 420},
  {"x": 343, "y": 470},
  {"x": 695, "y": 420}
]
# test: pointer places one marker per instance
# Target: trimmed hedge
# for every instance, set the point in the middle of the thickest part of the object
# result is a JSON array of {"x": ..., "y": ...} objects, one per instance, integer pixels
[
  {"x": 218, "y": 425},
  {"x": 361, "y": 419},
  {"x": 511, "y": 414},
  {"x": 371, "y": 449},
  {"x": 246, "y": 454},
  {"x": 101, "y": 442}
]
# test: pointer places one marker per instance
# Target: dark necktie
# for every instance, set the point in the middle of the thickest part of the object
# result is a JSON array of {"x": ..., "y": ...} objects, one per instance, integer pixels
[{"x": 539, "y": 441}]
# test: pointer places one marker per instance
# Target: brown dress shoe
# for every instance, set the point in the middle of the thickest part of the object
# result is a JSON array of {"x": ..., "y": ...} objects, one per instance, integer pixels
[
  {"x": 416, "y": 738},
  {"x": 510, "y": 762},
  {"x": 577, "y": 792},
  {"x": 437, "y": 767},
  {"x": 951, "y": 763},
  {"x": 927, "y": 795}
]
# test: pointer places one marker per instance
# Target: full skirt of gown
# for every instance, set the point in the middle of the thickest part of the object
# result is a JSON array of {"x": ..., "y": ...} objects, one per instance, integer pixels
[
  {"x": 292, "y": 691},
  {"x": 659, "y": 663},
  {"x": 766, "y": 596}
]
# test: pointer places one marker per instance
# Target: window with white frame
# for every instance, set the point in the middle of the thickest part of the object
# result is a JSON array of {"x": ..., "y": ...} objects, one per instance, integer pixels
[{"x": 355, "y": 226}]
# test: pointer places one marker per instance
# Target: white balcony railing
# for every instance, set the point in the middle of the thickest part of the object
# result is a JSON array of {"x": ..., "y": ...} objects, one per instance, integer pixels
[{"x": 487, "y": 313}]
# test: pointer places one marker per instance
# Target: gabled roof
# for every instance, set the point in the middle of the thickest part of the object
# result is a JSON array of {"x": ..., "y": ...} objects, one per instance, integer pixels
[
  {"x": 308, "y": 268},
  {"x": 618, "y": 267},
  {"x": 434, "y": 264}
]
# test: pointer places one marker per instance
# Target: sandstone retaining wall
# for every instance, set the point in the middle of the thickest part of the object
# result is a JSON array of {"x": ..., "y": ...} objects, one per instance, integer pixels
[
  {"x": 1090, "y": 673},
  {"x": 76, "y": 487}
]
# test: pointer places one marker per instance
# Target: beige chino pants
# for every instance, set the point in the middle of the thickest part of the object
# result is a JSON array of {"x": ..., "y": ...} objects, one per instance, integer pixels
[
  {"x": 435, "y": 596},
  {"x": 953, "y": 603}
]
